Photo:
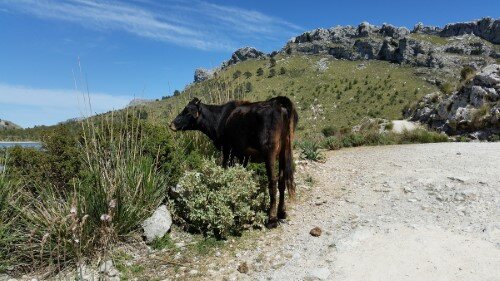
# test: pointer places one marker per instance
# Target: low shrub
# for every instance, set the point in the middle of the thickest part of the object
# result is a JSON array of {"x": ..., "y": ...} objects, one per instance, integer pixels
[
  {"x": 353, "y": 140},
  {"x": 218, "y": 202},
  {"x": 310, "y": 150},
  {"x": 420, "y": 136},
  {"x": 329, "y": 131},
  {"x": 467, "y": 73},
  {"x": 332, "y": 143},
  {"x": 446, "y": 88}
]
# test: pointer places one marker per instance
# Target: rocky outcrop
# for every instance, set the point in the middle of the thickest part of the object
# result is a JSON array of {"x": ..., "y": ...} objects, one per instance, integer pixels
[
  {"x": 202, "y": 74},
  {"x": 244, "y": 54},
  {"x": 448, "y": 48},
  {"x": 6, "y": 125},
  {"x": 240, "y": 55},
  {"x": 399, "y": 45},
  {"x": 486, "y": 28},
  {"x": 429, "y": 30},
  {"x": 474, "y": 109},
  {"x": 138, "y": 102}
]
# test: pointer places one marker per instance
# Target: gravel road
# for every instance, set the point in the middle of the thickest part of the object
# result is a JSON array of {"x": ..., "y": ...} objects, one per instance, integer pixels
[{"x": 406, "y": 212}]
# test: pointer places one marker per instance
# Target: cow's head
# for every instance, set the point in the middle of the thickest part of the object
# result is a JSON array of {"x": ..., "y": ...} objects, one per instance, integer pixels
[{"x": 187, "y": 119}]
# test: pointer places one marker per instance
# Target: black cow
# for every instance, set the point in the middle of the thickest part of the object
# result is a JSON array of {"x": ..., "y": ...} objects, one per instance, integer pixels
[{"x": 250, "y": 131}]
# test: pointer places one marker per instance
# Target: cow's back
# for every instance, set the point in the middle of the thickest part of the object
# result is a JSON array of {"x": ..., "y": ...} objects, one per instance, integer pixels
[{"x": 251, "y": 126}]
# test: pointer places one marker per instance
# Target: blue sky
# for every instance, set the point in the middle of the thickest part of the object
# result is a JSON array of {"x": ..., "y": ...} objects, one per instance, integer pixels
[{"x": 52, "y": 49}]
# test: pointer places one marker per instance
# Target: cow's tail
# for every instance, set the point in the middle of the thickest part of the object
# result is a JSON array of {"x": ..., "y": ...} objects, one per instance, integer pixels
[{"x": 290, "y": 120}]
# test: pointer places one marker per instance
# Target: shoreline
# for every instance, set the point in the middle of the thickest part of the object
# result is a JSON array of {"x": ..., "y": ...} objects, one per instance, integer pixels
[{"x": 20, "y": 142}]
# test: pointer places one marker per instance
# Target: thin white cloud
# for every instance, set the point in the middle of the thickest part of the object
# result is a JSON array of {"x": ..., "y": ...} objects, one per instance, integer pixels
[
  {"x": 195, "y": 24},
  {"x": 28, "y": 106}
]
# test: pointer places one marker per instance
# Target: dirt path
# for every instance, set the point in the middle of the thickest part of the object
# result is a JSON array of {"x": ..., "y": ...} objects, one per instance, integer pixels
[{"x": 408, "y": 212}]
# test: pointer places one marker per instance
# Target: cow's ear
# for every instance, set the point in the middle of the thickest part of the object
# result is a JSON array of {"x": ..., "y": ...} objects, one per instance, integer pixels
[{"x": 196, "y": 101}]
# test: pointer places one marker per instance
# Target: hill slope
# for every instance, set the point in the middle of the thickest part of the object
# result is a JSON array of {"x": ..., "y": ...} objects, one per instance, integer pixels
[
  {"x": 326, "y": 91},
  {"x": 6, "y": 125},
  {"x": 339, "y": 76}
]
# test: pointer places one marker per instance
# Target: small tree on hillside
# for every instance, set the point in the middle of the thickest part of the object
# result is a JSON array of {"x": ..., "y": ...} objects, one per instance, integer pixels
[
  {"x": 272, "y": 73},
  {"x": 248, "y": 87},
  {"x": 282, "y": 71},
  {"x": 176, "y": 93},
  {"x": 272, "y": 62},
  {"x": 236, "y": 74},
  {"x": 260, "y": 71},
  {"x": 247, "y": 74}
]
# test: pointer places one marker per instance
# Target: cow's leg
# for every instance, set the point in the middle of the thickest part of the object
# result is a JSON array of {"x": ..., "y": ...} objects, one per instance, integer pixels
[
  {"x": 281, "y": 188},
  {"x": 245, "y": 161},
  {"x": 225, "y": 157},
  {"x": 273, "y": 220}
]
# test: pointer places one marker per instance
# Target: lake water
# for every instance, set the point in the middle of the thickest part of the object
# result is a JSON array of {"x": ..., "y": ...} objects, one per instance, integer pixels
[{"x": 33, "y": 144}]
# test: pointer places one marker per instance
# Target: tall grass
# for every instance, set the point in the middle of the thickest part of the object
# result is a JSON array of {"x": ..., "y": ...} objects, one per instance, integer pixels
[{"x": 46, "y": 229}]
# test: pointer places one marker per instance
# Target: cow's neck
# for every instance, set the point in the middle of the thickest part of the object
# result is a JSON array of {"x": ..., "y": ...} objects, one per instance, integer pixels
[{"x": 209, "y": 121}]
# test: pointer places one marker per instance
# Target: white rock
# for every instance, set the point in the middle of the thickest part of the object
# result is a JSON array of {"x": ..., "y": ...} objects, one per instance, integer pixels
[
  {"x": 106, "y": 266},
  {"x": 158, "y": 224},
  {"x": 320, "y": 273}
]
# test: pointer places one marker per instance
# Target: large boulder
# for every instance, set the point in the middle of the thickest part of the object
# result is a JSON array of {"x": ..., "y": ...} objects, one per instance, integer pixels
[{"x": 158, "y": 224}]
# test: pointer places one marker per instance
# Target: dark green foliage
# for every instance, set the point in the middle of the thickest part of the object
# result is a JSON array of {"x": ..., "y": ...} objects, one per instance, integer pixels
[
  {"x": 142, "y": 114},
  {"x": 447, "y": 88},
  {"x": 282, "y": 71},
  {"x": 247, "y": 74},
  {"x": 332, "y": 143},
  {"x": 467, "y": 73},
  {"x": 176, "y": 93},
  {"x": 272, "y": 73},
  {"x": 329, "y": 131},
  {"x": 272, "y": 62},
  {"x": 260, "y": 71},
  {"x": 236, "y": 74},
  {"x": 310, "y": 150},
  {"x": 248, "y": 87}
]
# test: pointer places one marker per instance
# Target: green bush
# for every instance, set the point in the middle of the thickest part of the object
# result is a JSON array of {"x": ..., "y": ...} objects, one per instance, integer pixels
[
  {"x": 421, "y": 136},
  {"x": 332, "y": 143},
  {"x": 353, "y": 140},
  {"x": 236, "y": 74},
  {"x": 467, "y": 73},
  {"x": 309, "y": 150},
  {"x": 329, "y": 131},
  {"x": 219, "y": 202},
  {"x": 447, "y": 88}
]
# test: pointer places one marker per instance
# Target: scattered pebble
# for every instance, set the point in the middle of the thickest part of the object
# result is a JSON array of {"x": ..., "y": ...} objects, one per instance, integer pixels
[
  {"x": 316, "y": 232},
  {"x": 243, "y": 267}
]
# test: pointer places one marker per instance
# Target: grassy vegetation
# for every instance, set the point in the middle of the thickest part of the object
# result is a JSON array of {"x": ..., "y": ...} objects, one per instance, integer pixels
[
  {"x": 373, "y": 137},
  {"x": 340, "y": 96},
  {"x": 433, "y": 39},
  {"x": 91, "y": 187}
]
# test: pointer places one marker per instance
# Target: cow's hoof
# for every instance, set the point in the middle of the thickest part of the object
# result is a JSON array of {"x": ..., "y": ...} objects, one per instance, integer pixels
[
  {"x": 272, "y": 223},
  {"x": 282, "y": 215}
]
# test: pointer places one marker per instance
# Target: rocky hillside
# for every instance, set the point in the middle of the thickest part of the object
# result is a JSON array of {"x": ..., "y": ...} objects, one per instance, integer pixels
[
  {"x": 433, "y": 61},
  {"x": 474, "y": 109},
  {"x": 5, "y": 125},
  {"x": 447, "y": 49}
]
